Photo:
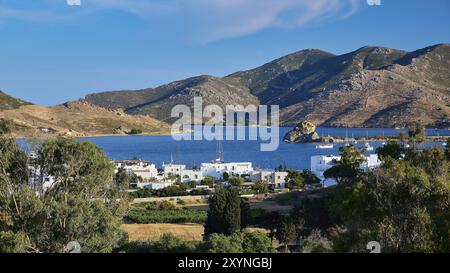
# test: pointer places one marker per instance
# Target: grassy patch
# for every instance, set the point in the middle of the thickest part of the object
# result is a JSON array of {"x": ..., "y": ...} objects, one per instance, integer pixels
[{"x": 144, "y": 216}]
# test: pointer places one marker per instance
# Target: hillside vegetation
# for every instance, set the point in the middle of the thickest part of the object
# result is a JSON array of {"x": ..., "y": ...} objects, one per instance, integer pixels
[{"x": 369, "y": 87}]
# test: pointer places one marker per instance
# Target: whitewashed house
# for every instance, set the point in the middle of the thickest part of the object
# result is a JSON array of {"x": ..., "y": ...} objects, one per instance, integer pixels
[
  {"x": 276, "y": 179},
  {"x": 157, "y": 185},
  {"x": 372, "y": 161},
  {"x": 141, "y": 168},
  {"x": 217, "y": 169},
  {"x": 191, "y": 175},
  {"x": 261, "y": 175},
  {"x": 279, "y": 180},
  {"x": 321, "y": 163},
  {"x": 173, "y": 169}
]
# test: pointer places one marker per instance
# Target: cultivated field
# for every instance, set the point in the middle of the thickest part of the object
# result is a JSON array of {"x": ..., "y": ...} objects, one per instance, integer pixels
[{"x": 153, "y": 232}]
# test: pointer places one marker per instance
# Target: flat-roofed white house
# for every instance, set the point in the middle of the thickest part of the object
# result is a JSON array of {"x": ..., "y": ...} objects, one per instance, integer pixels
[
  {"x": 372, "y": 161},
  {"x": 191, "y": 175},
  {"x": 173, "y": 169},
  {"x": 217, "y": 169},
  {"x": 279, "y": 180},
  {"x": 157, "y": 185},
  {"x": 261, "y": 175},
  {"x": 141, "y": 168},
  {"x": 276, "y": 179},
  {"x": 321, "y": 163}
]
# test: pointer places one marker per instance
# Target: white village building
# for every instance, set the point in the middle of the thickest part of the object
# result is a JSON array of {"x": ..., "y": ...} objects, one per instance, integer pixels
[
  {"x": 141, "y": 168},
  {"x": 191, "y": 175},
  {"x": 218, "y": 168},
  {"x": 276, "y": 179},
  {"x": 173, "y": 169},
  {"x": 321, "y": 163}
]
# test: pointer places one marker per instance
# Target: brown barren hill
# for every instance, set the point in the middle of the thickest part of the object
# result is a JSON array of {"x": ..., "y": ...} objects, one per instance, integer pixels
[{"x": 77, "y": 119}]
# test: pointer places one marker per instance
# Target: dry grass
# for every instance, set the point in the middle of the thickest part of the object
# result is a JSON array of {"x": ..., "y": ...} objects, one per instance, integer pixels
[
  {"x": 82, "y": 118},
  {"x": 152, "y": 232}
]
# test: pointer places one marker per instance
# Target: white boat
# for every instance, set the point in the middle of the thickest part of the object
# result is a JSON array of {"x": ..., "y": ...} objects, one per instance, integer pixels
[
  {"x": 407, "y": 146},
  {"x": 444, "y": 144},
  {"x": 368, "y": 147},
  {"x": 325, "y": 146}
]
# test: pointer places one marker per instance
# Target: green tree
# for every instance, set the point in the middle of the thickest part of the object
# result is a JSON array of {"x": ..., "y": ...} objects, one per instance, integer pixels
[
  {"x": 208, "y": 181},
  {"x": 85, "y": 204},
  {"x": 6, "y": 126},
  {"x": 405, "y": 204},
  {"x": 286, "y": 231},
  {"x": 123, "y": 178},
  {"x": 346, "y": 170},
  {"x": 309, "y": 178},
  {"x": 295, "y": 180},
  {"x": 236, "y": 181},
  {"x": 256, "y": 242},
  {"x": 224, "y": 215},
  {"x": 246, "y": 213},
  {"x": 316, "y": 243},
  {"x": 135, "y": 131},
  {"x": 416, "y": 134},
  {"x": 261, "y": 187},
  {"x": 220, "y": 243},
  {"x": 192, "y": 184},
  {"x": 239, "y": 242},
  {"x": 225, "y": 176},
  {"x": 392, "y": 149}
]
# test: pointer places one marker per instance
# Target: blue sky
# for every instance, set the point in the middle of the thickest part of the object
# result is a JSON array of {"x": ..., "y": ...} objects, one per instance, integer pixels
[{"x": 51, "y": 52}]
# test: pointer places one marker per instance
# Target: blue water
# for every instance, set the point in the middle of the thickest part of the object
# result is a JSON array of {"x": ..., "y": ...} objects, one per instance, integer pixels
[{"x": 159, "y": 149}]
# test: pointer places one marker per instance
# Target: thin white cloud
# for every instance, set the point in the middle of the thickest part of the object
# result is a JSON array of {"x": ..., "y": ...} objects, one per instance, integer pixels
[{"x": 210, "y": 20}]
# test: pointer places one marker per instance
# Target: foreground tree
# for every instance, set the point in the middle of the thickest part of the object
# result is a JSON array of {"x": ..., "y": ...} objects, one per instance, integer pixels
[
  {"x": 286, "y": 231},
  {"x": 417, "y": 135},
  {"x": 346, "y": 170},
  {"x": 392, "y": 149},
  {"x": 295, "y": 180},
  {"x": 240, "y": 242},
  {"x": 224, "y": 215},
  {"x": 208, "y": 181},
  {"x": 85, "y": 204},
  {"x": 261, "y": 187},
  {"x": 405, "y": 205}
]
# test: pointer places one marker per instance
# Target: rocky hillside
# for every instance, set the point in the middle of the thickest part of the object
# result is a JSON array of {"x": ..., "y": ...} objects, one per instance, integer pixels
[
  {"x": 370, "y": 87},
  {"x": 7, "y": 102},
  {"x": 77, "y": 119},
  {"x": 158, "y": 102}
]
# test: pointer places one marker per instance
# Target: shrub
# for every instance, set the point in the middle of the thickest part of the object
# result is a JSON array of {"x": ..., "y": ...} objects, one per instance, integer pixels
[{"x": 143, "y": 216}]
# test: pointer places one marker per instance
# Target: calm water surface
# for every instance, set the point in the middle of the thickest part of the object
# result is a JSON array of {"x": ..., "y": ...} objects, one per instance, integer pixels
[{"x": 159, "y": 149}]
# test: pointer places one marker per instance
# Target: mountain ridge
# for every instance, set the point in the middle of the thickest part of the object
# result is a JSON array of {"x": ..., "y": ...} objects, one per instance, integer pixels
[{"x": 371, "y": 86}]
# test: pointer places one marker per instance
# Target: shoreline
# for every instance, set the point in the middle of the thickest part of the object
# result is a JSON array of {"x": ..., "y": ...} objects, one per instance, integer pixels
[{"x": 168, "y": 133}]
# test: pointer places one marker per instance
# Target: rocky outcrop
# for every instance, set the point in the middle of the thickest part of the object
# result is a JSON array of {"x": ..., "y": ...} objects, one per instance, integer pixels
[{"x": 304, "y": 132}]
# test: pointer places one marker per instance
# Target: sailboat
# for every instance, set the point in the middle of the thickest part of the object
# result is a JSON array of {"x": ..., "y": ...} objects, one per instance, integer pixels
[
  {"x": 324, "y": 145},
  {"x": 346, "y": 138},
  {"x": 367, "y": 146},
  {"x": 384, "y": 140},
  {"x": 354, "y": 140}
]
